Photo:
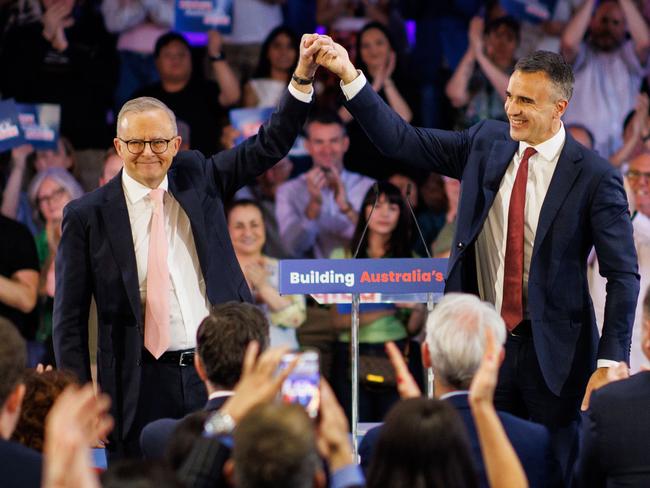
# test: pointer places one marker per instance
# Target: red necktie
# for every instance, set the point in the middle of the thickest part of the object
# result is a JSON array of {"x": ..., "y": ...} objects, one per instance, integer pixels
[{"x": 512, "y": 305}]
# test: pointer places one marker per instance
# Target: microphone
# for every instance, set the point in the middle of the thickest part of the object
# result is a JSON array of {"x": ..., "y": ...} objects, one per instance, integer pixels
[
  {"x": 375, "y": 187},
  {"x": 415, "y": 220}
]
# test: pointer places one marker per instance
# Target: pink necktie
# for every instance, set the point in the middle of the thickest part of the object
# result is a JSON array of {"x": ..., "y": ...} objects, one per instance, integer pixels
[
  {"x": 156, "y": 317},
  {"x": 512, "y": 306}
]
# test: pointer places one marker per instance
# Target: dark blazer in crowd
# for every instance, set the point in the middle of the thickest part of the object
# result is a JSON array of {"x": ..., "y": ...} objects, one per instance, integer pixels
[
  {"x": 20, "y": 467},
  {"x": 585, "y": 206},
  {"x": 156, "y": 435},
  {"x": 615, "y": 436},
  {"x": 96, "y": 258},
  {"x": 531, "y": 442}
]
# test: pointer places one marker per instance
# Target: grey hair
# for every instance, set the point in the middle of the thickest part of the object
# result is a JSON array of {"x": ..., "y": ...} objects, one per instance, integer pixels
[
  {"x": 554, "y": 66},
  {"x": 145, "y": 104},
  {"x": 456, "y": 336},
  {"x": 61, "y": 176}
]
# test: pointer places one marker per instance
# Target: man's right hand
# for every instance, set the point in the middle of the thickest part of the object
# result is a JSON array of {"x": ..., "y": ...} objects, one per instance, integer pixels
[{"x": 335, "y": 58}]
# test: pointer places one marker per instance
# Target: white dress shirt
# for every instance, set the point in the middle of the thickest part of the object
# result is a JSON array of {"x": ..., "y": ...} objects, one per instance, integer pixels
[{"x": 188, "y": 304}]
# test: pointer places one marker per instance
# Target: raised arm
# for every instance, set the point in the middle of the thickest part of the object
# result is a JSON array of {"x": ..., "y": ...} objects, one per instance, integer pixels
[
  {"x": 575, "y": 30},
  {"x": 638, "y": 28},
  {"x": 226, "y": 79},
  {"x": 433, "y": 150}
]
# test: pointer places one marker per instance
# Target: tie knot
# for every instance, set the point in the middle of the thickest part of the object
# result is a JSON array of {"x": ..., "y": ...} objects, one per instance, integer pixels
[
  {"x": 530, "y": 151},
  {"x": 156, "y": 195}
]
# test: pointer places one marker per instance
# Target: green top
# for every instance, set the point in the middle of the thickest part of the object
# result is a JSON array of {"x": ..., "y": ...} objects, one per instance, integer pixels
[
  {"x": 384, "y": 329},
  {"x": 44, "y": 330}
]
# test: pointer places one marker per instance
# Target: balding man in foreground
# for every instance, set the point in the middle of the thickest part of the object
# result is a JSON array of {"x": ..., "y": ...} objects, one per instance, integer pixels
[{"x": 152, "y": 247}]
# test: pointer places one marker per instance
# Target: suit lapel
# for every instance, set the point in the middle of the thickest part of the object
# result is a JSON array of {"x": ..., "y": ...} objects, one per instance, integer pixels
[
  {"x": 118, "y": 230},
  {"x": 564, "y": 175}
]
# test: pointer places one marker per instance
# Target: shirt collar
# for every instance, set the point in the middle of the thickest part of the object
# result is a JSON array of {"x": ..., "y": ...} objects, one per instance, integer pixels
[
  {"x": 453, "y": 394},
  {"x": 220, "y": 394},
  {"x": 550, "y": 148},
  {"x": 136, "y": 191}
]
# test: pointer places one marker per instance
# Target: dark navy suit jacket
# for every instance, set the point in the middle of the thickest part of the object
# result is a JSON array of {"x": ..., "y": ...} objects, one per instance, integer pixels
[
  {"x": 531, "y": 442},
  {"x": 20, "y": 467},
  {"x": 585, "y": 206},
  {"x": 96, "y": 257},
  {"x": 616, "y": 434},
  {"x": 156, "y": 435}
]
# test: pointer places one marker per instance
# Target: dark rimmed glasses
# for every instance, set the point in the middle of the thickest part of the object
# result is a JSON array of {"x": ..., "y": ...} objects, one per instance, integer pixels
[{"x": 157, "y": 146}]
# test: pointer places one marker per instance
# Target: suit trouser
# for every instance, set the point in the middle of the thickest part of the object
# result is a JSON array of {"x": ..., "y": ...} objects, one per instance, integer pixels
[
  {"x": 166, "y": 391},
  {"x": 522, "y": 391}
]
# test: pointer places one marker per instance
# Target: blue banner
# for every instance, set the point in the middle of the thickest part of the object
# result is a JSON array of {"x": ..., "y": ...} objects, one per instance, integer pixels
[
  {"x": 40, "y": 123},
  {"x": 203, "y": 15},
  {"x": 386, "y": 276},
  {"x": 11, "y": 134},
  {"x": 249, "y": 120}
]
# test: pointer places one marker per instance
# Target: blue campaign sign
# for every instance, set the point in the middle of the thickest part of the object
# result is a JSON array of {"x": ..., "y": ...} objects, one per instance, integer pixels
[{"x": 405, "y": 275}]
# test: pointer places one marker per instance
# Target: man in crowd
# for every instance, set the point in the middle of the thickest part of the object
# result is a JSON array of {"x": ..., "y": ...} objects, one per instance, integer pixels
[
  {"x": 201, "y": 104},
  {"x": 20, "y": 467},
  {"x": 221, "y": 342},
  {"x": 317, "y": 211},
  {"x": 152, "y": 248},
  {"x": 533, "y": 204},
  {"x": 454, "y": 347},
  {"x": 608, "y": 67}
]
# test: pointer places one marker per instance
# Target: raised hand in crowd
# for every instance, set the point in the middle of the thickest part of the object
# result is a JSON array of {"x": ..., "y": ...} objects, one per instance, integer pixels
[
  {"x": 11, "y": 193},
  {"x": 406, "y": 384},
  {"x": 475, "y": 35},
  {"x": 333, "y": 439},
  {"x": 55, "y": 20},
  {"x": 78, "y": 418},
  {"x": 502, "y": 464}
]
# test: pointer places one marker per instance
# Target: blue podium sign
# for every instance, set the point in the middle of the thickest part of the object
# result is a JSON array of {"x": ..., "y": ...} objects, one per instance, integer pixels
[{"x": 386, "y": 276}]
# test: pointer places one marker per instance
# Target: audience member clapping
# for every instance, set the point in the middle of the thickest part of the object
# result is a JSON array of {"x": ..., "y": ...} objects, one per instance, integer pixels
[
  {"x": 478, "y": 86},
  {"x": 278, "y": 60},
  {"x": 247, "y": 232}
]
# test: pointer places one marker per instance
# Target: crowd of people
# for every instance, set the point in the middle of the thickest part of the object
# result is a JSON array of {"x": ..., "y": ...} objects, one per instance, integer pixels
[{"x": 376, "y": 172}]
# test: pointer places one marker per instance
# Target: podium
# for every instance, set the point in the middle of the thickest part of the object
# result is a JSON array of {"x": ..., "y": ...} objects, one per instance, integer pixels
[{"x": 356, "y": 281}]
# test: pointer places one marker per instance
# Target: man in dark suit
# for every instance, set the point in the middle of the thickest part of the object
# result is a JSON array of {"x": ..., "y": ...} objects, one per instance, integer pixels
[
  {"x": 453, "y": 349},
  {"x": 152, "y": 247},
  {"x": 221, "y": 341},
  {"x": 533, "y": 203},
  {"x": 20, "y": 467},
  {"x": 616, "y": 428}
]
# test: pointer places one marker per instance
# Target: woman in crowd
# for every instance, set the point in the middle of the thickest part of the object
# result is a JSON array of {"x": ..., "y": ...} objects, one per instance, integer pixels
[
  {"x": 277, "y": 61},
  {"x": 388, "y": 236},
  {"x": 50, "y": 191},
  {"x": 377, "y": 58},
  {"x": 285, "y": 313}
]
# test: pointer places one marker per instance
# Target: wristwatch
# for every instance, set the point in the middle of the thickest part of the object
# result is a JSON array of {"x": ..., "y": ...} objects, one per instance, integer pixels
[{"x": 218, "y": 424}]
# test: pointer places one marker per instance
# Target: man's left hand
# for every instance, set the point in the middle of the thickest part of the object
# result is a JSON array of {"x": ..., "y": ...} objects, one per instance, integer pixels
[{"x": 597, "y": 380}]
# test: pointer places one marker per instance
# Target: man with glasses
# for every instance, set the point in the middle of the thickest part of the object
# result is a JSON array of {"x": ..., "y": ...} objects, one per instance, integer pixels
[{"x": 152, "y": 247}]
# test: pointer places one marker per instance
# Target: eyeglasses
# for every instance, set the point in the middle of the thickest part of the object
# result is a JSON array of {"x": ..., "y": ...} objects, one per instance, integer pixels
[
  {"x": 136, "y": 146},
  {"x": 52, "y": 197},
  {"x": 637, "y": 175}
]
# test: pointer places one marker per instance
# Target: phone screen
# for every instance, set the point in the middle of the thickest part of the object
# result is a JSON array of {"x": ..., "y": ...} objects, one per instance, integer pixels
[{"x": 301, "y": 386}]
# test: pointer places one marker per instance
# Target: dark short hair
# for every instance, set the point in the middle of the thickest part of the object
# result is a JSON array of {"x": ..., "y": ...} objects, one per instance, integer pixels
[
  {"x": 554, "y": 66},
  {"x": 222, "y": 338},
  {"x": 13, "y": 359},
  {"x": 42, "y": 390},
  {"x": 275, "y": 445},
  {"x": 166, "y": 39},
  {"x": 325, "y": 117},
  {"x": 422, "y": 439},
  {"x": 135, "y": 473},
  {"x": 242, "y": 202},
  {"x": 505, "y": 20}
]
